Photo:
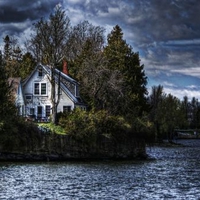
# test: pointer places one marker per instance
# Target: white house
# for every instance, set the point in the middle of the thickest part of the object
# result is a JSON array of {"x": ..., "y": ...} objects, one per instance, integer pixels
[{"x": 36, "y": 92}]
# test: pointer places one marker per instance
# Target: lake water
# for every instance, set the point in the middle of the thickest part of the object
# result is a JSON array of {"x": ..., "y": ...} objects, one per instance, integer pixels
[{"x": 173, "y": 174}]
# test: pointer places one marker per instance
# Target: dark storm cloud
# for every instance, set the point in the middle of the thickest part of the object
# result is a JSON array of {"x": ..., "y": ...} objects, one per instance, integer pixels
[
  {"x": 22, "y": 10},
  {"x": 18, "y": 16},
  {"x": 166, "y": 33},
  {"x": 166, "y": 20}
]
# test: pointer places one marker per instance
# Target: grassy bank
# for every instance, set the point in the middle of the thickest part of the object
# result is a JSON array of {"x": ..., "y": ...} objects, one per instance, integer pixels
[{"x": 52, "y": 128}]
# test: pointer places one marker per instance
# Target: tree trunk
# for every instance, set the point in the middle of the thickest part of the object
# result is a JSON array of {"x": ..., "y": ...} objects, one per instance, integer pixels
[
  {"x": 54, "y": 100},
  {"x": 53, "y": 95}
]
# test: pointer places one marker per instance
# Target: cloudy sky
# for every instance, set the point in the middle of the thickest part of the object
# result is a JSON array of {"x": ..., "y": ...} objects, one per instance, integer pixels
[{"x": 166, "y": 33}]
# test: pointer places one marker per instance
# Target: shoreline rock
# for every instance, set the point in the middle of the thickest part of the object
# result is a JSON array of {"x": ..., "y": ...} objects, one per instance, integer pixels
[{"x": 43, "y": 157}]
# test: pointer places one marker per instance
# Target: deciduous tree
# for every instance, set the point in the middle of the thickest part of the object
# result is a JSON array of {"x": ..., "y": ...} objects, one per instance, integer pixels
[{"x": 49, "y": 45}]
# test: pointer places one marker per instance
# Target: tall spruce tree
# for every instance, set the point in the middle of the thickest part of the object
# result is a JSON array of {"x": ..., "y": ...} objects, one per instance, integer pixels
[
  {"x": 12, "y": 56},
  {"x": 27, "y": 65},
  {"x": 7, "y": 108},
  {"x": 121, "y": 57},
  {"x": 7, "y": 48}
]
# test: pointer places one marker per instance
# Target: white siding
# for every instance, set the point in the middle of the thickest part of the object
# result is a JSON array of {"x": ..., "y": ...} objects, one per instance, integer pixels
[{"x": 38, "y": 103}]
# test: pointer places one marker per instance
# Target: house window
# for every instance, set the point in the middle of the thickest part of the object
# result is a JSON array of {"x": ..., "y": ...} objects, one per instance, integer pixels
[
  {"x": 28, "y": 97},
  {"x": 48, "y": 111},
  {"x": 37, "y": 88},
  {"x": 43, "y": 88},
  {"x": 32, "y": 111},
  {"x": 40, "y": 88},
  {"x": 39, "y": 111},
  {"x": 66, "y": 108},
  {"x": 40, "y": 72}
]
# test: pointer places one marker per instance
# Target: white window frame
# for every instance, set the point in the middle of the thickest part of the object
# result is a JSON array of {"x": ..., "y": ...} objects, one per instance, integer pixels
[{"x": 40, "y": 89}]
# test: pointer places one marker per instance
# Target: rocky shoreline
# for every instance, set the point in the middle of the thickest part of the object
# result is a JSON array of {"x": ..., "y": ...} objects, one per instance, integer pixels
[{"x": 54, "y": 147}]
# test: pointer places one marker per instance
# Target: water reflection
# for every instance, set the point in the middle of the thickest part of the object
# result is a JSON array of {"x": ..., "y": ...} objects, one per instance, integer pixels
[{"x": 173, "y": 174}]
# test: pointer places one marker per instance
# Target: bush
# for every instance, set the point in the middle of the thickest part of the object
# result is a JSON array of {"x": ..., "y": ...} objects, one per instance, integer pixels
[
  {"x": 19, "y": 135},
  {"x": 86, "y": 127}
]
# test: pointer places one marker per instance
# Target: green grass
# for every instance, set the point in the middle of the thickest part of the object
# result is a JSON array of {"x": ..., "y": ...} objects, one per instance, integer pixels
[{"x": 53, "y": 128}]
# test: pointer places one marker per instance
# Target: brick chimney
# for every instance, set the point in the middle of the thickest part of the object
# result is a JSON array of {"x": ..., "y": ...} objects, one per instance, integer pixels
[{"x": 65, "y": 69}]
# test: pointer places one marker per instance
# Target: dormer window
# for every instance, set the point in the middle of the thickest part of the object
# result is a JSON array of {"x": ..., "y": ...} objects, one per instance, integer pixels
[{"x": 40, "y": 72}]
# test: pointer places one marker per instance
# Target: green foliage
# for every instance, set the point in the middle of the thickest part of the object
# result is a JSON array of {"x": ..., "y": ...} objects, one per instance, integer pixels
[
  {"x": 87, "y": 127},
  {"x": 27, "y": 65},
  {"x": 169, "y": 114},
  {"x": 7, "y": 108},
  {"x": 111, "y": 78},
  {"x": 52, "y": 128},
  {"x": 12, "y": 56},
  {"x": 120, "y": 56},
  {"x": 19, "y": 135},
  {"x": 7, "y": 48},
  {"x": 166, "y": 113}
]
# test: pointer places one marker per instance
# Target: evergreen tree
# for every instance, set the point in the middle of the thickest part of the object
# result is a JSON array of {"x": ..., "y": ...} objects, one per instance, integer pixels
[
  {"x": 185, "y": 106},
  {"x": 120, "y": 57},
  {"x": 1, "y": 58},
  {"x": 12, "y": 56},
  {"x": 155, "y": 99},
  {"x": 170, "y": 115},
  {"x": 7, "y": 49},
  {"x": 7, "y": 107},
  {"x": 194, "y": 112},
  {"x": 28, "y": 63}
]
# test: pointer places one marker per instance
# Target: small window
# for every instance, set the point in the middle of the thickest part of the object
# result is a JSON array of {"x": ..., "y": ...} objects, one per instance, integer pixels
[
  {"x": 37, "y": 88},
  {"x": 66, "y": 108},
  {"x": 28, "y": 97},
  {"x": 40, "y": 72}
]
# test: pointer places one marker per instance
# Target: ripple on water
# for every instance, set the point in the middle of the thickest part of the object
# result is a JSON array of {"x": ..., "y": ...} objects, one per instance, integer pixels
[{"x": 173, "y": 175}]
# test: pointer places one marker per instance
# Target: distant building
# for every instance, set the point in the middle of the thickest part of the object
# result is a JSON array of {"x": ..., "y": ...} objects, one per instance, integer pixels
[{"x": 33, "y": 95}]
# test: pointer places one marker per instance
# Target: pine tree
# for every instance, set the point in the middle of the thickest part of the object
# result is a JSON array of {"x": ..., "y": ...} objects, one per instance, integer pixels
[
  {"x": 12, "y": 56},
  {"x": 7, "y": 49},
  {"x": 7, "y": 107},
  {"x": 27, "y": 65},
  {"x": 121, "y": 58}
]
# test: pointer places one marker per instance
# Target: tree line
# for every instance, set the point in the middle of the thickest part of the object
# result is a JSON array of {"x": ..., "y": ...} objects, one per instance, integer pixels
[{"x": 113, "y": 80}]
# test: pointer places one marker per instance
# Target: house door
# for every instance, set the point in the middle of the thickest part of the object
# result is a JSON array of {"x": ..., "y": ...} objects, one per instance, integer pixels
[{"x": 39, "y": 112}]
